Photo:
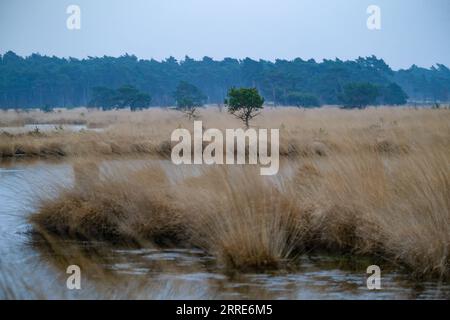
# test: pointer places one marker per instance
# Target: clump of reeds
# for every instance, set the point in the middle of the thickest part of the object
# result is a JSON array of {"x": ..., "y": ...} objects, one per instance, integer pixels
[
  {"x": 246, "y": 221},
  {"x": 235, "y": 215},
  {"x": 398, "y": 208},
  {"x": 135, "y": 209}
]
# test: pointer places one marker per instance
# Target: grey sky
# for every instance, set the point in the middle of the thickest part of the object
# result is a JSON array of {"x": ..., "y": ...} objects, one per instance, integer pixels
[{"x": 413, "y": 31}]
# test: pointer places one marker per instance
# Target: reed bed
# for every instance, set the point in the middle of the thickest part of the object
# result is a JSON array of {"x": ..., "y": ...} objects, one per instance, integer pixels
[{"x": 374, "y": 182}]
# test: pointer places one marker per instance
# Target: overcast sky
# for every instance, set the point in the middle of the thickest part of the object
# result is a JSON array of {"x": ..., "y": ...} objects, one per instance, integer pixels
[{"x": 412, "y": 31}]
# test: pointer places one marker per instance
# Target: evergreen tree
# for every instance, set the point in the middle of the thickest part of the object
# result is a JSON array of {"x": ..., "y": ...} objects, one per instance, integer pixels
[
  {"x": 244, "y": 104},
  {"x": 359, "y": 95},
  {"x": 393, "y": 94}
]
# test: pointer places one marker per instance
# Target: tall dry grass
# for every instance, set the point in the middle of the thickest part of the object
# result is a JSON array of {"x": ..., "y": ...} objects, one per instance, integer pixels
[
  {"x": 303, "y": 133},
  {"x": 396, "y": 208},
  {"x": 246, "y": 221},
  {"x": 372, "y": 182}
]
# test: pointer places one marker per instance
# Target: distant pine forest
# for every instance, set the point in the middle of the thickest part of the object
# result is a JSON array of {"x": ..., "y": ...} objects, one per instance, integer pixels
[{"x": 39, "y": 81}]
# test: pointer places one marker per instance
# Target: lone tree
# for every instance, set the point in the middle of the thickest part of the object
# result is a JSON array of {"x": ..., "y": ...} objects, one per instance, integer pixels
[
  {"x": 244, "y": 103},
  {"x": 359, "y": 95},
  {"x": 304, "y": 100},
  {"x": 188, "y": 98}
]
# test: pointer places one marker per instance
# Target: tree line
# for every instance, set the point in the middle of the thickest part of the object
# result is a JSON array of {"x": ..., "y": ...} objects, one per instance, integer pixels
[{"x": 108, "y": 82}]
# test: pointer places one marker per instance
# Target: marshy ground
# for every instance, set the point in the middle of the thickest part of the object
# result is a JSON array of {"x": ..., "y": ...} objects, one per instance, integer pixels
[{"x": 370, "y": 185}]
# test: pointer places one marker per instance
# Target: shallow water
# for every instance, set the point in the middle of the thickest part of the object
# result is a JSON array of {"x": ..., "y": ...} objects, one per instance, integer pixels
[
  {"x": 31, "y": 269},
  {"x": 48, "y": 128}
]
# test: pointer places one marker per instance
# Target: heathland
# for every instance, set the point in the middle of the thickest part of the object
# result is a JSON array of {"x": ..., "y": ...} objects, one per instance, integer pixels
[{"x": 370, "y": 182}]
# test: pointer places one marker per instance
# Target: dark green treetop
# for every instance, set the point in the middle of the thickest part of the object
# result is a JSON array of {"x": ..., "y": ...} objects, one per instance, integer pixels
[
  {"x": 359, "y": 95},
  {"x": 244, "y": 103}
]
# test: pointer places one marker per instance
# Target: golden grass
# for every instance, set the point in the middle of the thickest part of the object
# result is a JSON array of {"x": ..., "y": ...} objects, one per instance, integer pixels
[
  {"x": 117, "y": 209},
  {"x": 246, "y": 221},
  {"x": 372, "y": 182},
  {"x": 303, "y": 133}
]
